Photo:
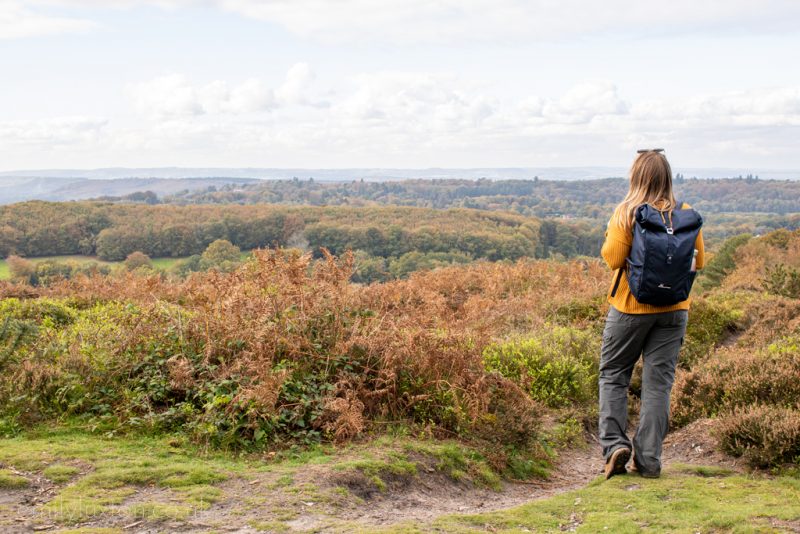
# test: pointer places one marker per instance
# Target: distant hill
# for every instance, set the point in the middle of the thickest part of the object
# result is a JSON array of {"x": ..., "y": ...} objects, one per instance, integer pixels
[
  {"x": 384, "y": 174},
  {"x": 331, "y": 175},
  {"x": 21, "y": 188},
  {"x": 74, "y": 184},
  {"x": 540, "y": 198}
]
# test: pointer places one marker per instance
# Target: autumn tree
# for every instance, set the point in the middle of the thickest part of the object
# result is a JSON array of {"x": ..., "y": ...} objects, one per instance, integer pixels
[
  {"x": 136, "y": 260},
  {"x": 21, "y": 269},
  {"x": 221, "y": 255}
]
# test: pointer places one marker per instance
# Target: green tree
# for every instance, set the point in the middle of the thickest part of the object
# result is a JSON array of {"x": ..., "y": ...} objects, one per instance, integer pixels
[
  {"x": 369, "y": 269},
  {"x": 186, "y": 266},
  {"x": 221, "y": 255},
  {"x": 136, "y": 260},
  {"x": 50, "y": 271},
  {"x": 723, "y": 262},
  {"x": 418, "y": 261}
]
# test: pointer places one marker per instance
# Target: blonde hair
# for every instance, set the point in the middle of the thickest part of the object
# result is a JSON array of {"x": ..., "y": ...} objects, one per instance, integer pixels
[{"x": 650, "y": 183}]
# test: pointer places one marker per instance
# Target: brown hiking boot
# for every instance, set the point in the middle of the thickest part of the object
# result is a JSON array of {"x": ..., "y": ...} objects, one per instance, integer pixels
[{"x": 616, "y": 462}]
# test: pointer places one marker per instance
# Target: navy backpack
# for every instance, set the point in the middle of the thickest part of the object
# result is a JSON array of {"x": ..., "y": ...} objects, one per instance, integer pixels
[{"x": 659, "y": 265}]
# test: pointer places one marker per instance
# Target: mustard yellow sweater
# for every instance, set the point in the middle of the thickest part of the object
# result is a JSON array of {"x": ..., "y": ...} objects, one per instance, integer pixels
[{"x": 615, "y": 249}]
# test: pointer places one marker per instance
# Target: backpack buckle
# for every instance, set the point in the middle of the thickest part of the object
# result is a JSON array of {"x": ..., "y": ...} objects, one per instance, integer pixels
[{"x": 669, "y": 230}]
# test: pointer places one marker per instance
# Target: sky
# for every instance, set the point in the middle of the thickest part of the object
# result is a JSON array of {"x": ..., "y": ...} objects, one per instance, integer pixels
[{"x": 398, "y": 83}]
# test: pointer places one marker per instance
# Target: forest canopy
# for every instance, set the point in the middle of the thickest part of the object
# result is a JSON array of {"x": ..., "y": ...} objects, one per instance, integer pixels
[
  {"x": 425, "y": 222},
  {"x": 113, "y": 231},
  {"x": 540, "y": 198}
]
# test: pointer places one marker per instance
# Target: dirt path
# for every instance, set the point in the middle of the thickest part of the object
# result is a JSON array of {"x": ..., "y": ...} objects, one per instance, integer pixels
[
  {"x": 693, "y": 444},
  {"x": 434, "y": 494},
  {"x": 323, "y": 499},
  {"x": 431, "y": 497}
]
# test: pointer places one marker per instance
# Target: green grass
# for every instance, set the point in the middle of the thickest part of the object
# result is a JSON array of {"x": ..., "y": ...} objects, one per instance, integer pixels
[
  {"x": 9, "y": 480},
  {"x": 377, "y": 470},
  {"x": 165, "y": 263},
  {"x": 5, "y": 272},
  {"x": 270, "y": 526},
  {"x": 170, "y": 482},
  {"x": 684, "y": 499},
  {"x": 158, "y": 263},
  {"x": 458, "y": 462},
  {"x": 60, "y": 473},
  {"x": 120, "y": 466},
  {"x": 157, "y": 511}
]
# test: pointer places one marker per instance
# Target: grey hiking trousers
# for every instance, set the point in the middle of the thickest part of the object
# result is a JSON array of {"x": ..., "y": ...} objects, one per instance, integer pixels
[{"x": 657, "y": 337}]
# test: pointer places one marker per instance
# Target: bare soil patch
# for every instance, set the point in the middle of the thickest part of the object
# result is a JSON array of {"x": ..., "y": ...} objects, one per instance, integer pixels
[{"x": 695, "y": 444}]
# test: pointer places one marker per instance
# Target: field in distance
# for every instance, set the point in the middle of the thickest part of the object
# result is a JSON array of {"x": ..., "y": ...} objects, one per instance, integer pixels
[{"x": 159, "y": 263}]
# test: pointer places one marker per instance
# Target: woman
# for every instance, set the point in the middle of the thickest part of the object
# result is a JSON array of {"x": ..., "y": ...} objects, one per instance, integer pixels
[{"x": 635, "y": 329}]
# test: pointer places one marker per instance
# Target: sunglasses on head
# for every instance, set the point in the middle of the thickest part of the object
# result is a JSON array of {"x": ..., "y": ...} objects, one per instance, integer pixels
[{"x": 643, "y": 150}]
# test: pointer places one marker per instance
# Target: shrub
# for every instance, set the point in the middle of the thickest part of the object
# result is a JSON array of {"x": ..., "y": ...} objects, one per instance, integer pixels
[
  {"x": 14, "y": 334},
  {"x": 735, "y": 377},
  {"x": 49, "y": 272},
  {"x": 421, "y": 261},
  {"x": 557, "y": 367},
  {"x": 782, "y": 280},
  {"x": 285, "y": 349},
  {"x": 90, "y": 268},
  {"x": 765, "y": 436},
  {"x": 186, "y": 266},
  {"x": 136, "y": 260},
  {"x": 780, "y": 238},
  {"x": 766, "y": 317},
  {"x": 722, "y": 263},
  {"x": 221, "y": 255},
  {"x": 282, "y": 349},
  {"x": 767, "y": 263},
  {"x": 369, "y": 269},
  {"x": 580, "y": 312},
  {"x": 20, "y": 268},
  {"x": 510, "y": 418},
  {"x": 67, "y": 364},
  {"x": 50, "y": 312},
  {"x": 709, "y": 322}
]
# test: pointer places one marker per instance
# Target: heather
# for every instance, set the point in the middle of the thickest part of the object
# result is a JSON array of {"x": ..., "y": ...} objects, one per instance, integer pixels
[
  {"x": 282, "y": 349},
  {"x": 276, "y": 393},
  {"x": 285, "y": 349}
]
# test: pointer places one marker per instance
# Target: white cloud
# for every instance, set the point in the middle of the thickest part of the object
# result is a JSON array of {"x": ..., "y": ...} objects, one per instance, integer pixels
[
  {"x": 57, "y": 130},
  {"x": 416, "y": 119},
  {"x": 173, "y": 95},
  {"x": 584, "y": 102},
  {"x": 295, "y": 88},
  {"x": 18, "y": 21},
  {"x": 166, "y": 96},
  {"x": 770, "y": 106},
  {"x": 415, "y": 101}
]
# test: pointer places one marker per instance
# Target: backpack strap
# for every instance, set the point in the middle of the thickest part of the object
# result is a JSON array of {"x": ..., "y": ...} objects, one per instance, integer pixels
[
  {"x": 619, "y": 278},
  {"x": 616, "y": 283}
]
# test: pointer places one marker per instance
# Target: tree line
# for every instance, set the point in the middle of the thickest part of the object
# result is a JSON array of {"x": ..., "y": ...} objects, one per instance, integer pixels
[
  {"x": 113, "y": 231},
  {"x": 578, "y": 210},
  {"x": 539, "y": 198}
]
